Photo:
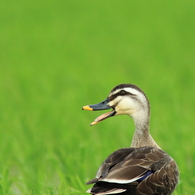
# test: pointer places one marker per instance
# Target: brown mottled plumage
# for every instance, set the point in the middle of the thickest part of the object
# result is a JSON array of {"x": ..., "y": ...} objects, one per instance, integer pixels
[{"x": 142, "y": 169}]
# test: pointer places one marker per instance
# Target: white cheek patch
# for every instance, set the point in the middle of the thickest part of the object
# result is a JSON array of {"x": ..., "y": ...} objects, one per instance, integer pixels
[
  {"x": 123, "y": 105},
  {"x": 130, "y": 103},
  {"x": 126, "y": 106}
]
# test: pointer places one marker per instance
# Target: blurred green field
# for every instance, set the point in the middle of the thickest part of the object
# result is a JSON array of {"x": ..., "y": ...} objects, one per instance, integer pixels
[{"x": 57, "y": 56}]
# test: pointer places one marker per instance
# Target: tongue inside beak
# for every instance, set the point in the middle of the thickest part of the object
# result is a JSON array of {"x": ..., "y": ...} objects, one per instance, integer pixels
[{"x": 103, "y": 117}]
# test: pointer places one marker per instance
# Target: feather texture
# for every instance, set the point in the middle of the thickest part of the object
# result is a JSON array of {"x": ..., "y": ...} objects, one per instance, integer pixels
[
  {"x": 127, "y": 166},
  {"x": 142, "y": 169}
]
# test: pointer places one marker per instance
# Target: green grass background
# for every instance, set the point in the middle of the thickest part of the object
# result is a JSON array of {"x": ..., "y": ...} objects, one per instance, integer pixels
[{"x": 56, "y": 56}]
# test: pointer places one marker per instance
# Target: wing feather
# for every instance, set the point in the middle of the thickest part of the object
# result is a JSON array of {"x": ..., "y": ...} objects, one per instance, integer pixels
[
  {"x": 145, "y": 169},
  {"x": 129, "y": 164}
]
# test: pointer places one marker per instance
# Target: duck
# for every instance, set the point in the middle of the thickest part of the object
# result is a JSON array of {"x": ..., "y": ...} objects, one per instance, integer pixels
[{"x": 141, "y": 169}]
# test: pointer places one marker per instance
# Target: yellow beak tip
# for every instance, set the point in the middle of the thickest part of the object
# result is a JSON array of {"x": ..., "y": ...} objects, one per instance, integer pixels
[
  {"x": 87, "y": 108},
  {"x": 93, "y": 123}
]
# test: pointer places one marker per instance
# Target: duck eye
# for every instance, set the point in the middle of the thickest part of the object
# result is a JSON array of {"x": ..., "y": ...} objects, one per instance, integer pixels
[{"x": 123, "y": 92}]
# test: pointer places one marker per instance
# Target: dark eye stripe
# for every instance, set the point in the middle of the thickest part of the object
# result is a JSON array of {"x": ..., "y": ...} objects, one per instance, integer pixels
[
  {"x": 120, "y": 93},
  {"x": 112, "y": 97}
]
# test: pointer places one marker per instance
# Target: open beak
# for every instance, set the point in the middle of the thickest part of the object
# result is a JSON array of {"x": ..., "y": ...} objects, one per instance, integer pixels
[{"x": 100, "y": 106}]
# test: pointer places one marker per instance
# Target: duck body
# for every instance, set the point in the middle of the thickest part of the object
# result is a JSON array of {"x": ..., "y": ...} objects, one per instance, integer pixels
[
  {"x": 142, "y": 169},
  {"x": 136, "y": 171}
]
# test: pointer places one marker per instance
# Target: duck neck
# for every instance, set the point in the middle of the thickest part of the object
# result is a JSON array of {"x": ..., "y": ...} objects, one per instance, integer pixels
[{"x": 142, "y": 136}]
